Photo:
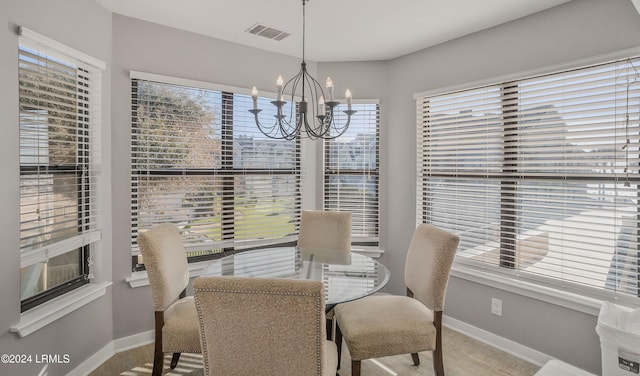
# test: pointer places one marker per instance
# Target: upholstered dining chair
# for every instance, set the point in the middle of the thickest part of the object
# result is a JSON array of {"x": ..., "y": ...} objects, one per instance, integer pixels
[
  {"x": 176, "y": 320},
  {"x": 326, "y": 236},
  {"x": 385, "y": 325},
  {"x": 263, "y": 326}
]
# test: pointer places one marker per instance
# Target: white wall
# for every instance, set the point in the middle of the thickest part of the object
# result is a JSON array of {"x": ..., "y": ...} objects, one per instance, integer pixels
[{"x": 87, "y": 330}]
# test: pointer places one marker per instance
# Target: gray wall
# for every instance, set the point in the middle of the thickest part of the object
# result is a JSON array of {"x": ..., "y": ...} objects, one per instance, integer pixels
[
  {"x": 578, "y": 29},
  {"x": 575, "y": 30},
  {"x": 85, "y": 331},
  {"x": 151, "y": 48}
]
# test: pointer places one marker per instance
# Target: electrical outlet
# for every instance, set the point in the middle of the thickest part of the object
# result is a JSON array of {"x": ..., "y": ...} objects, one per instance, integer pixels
[{"x": 496, "y": 307}]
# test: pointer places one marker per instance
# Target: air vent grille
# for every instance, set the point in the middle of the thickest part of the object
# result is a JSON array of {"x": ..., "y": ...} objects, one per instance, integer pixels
[{"x": 267, "y": 32}]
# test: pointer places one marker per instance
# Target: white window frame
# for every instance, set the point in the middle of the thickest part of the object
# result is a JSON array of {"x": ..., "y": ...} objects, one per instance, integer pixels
[
  {"x": 140, "y": 278},
  {"x": 553, "y": 295},
  {"x": 58, "y": 307},
  {"x": 362, "y": 243}
]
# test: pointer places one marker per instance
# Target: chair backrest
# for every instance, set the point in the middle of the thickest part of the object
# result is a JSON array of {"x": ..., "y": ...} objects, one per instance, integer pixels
[
  {"x": 166, "y": 263},
  {"x": 261, "y": 326},
  {"x": 326, "y": 232},
  {"x": 428, "y": 264}
]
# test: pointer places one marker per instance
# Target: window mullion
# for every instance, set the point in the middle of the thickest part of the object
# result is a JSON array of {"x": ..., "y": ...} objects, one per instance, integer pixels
[
  {"x": 228, "y": 176},
  {"x": 508, "y": 187}
]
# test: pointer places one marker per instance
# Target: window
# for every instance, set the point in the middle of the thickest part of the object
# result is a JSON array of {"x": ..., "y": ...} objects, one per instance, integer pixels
[
  {"x": 59, "y": 128},
  {"x": 351, "y": 172},
  {"x": 539, "y": 177},
  {"x": 198, "y": 160}
]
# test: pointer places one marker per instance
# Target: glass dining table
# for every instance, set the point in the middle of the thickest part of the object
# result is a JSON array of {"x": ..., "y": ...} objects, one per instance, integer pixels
[{"x": 345, "y": 277}]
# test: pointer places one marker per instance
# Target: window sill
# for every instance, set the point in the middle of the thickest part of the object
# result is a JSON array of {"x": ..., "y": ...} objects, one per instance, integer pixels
[
  {"x": 140, "y": 279},
  {"x": 48, "y": 312},
  {"x": 550, "y": 295},
  {"x": 373, "y": 251}
]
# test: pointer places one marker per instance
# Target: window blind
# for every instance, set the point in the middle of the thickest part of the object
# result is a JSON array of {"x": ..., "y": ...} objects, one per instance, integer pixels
[
  {"x": 59, "y": 158},
  {"x": 198, "y": 160},
  {"x": 539, "y": 176},
  {"x": 351, "y": 171}
]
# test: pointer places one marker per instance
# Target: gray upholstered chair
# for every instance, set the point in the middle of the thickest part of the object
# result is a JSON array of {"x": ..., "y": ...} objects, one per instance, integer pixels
[
  {"x": 326, "y": 236},
  {"x": 263, "y": 326},
  {"x": 176, "y": 320},
  {"x": 385, "y": 325}
]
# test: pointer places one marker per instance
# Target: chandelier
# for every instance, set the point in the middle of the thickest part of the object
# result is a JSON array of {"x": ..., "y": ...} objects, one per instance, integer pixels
[{"x": 317, "y": 121}]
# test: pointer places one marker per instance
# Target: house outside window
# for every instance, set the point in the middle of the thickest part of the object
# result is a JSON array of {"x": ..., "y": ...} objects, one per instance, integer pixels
[{"x": 539, "y": 177}]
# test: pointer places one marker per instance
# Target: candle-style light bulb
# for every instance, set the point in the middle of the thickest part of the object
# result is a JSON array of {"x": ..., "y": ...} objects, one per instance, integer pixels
[
  {"x": 254, "y": 96},
  {"x": 347, "y": 97},
  {"x": 329, "y": 86},
  {"x": 279, "y": 83},
  {"x": 321, "y": 105}
]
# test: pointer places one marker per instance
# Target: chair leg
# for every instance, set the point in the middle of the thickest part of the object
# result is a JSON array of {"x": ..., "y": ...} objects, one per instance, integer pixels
[
  {"x": 174, "y": 360},
  {"x": 416, "y": 359},
  {"x": 158, "y": 355},
  {"x": 158, "y": 363},
  {"x": 339, "y": 343},
  {"x": 438, "y": 366},
  {"x": 329, "y": 329},
  {"x": 355, "y": 368}
]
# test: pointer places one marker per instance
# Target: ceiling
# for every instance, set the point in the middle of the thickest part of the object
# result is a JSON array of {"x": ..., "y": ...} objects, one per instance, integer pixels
[{"x": 336, "y": 30}]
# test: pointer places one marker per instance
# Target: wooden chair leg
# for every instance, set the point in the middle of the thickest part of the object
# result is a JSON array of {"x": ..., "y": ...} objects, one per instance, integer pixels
[
  {"x": 174, "y": 360},
  {"x": 416, "y": 359},
  {"x": 158, "y": 355},
  {"x": 158, "y": 363},
  {"x": 355, "y": 368},
  {"x": 339, "y": 343},
  {"x": 438, "y": 365}
]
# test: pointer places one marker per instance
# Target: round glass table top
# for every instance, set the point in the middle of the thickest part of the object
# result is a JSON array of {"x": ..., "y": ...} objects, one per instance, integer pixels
[{"x": 345, "y": 277}]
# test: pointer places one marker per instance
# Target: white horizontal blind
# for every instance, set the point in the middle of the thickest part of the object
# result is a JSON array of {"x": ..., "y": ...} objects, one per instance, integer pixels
[
  {"x": 539, "y": 177},
  {"x": 351, "y": 171},
  {"x": 59, "y": 159},
  {"x": 199, "y": 161}
]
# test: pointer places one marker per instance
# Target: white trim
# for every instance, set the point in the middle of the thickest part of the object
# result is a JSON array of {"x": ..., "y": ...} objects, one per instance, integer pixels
[
  {"x": 111, "y": 349},
  {"x": 94, "y": 361},
  {"x": 136, "y": 340},
  {"x": 372, "y": 251},
  {"x": 48, "y": 312},
  {"x": 574, "y": 64},
  {"x": 137, "y": 75},
  {"x": 558, "y": 297},
  {"x": 523, "y": 352},
  {"x": 190, "y": 83},
  {"x": 140, "y": 279},
  {"x": 133, "y": 341},
  {"x": 43, "y": 254},
  {"x": 69, "y": 51}
]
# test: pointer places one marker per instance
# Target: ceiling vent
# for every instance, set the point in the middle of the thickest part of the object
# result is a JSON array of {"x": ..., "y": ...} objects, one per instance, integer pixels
[{"x": 267, "y": 32}]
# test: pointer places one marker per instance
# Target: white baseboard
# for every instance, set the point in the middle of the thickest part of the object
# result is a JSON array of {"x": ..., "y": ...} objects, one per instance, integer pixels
[
  {"x": 533, "y": 356},
  {"x": 123, "y": 344},
  {"x": 112, "y": 348},
  {"x": 94, "y": 361},
  {"x": 133, "y": 341}
]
